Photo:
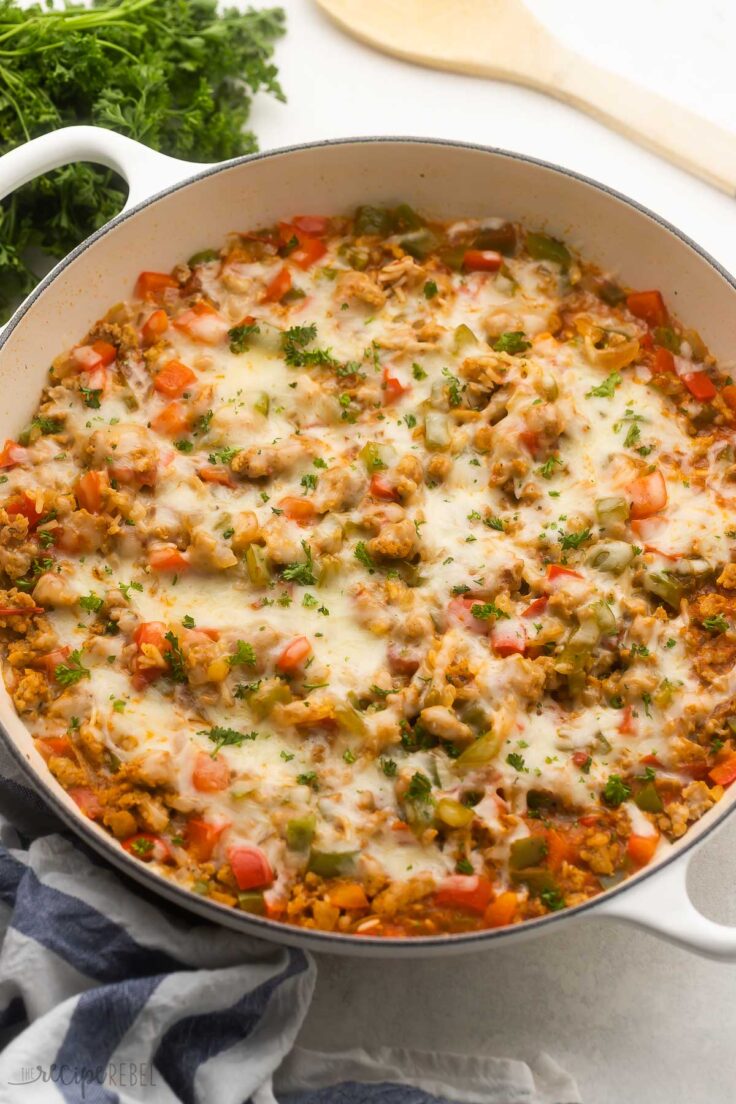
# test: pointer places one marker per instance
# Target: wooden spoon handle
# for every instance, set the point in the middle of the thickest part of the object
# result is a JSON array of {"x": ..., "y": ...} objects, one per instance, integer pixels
[{"x": 673, "y": 132}]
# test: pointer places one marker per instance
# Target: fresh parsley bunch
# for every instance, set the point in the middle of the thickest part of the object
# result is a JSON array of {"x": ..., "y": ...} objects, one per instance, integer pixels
[{"x": 174, "y": 74}]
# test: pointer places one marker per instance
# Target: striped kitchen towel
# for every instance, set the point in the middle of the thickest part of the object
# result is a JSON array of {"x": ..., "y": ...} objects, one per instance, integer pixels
[{"x": 109, "y": 996}]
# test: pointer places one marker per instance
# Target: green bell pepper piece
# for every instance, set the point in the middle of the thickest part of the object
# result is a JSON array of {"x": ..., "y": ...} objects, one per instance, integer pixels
[
  {"x": 332, "y": 864},
  {"x": 648, "y": 799},
  {"x": 542, "y": 247},
  {"x": 526, "y": 852},
  {"x": 252, "y": 901},
  {"x": 300, "y": 832}
]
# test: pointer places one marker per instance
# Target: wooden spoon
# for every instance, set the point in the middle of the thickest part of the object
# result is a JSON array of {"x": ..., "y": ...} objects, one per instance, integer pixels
[{"x": 501, "y": 39}]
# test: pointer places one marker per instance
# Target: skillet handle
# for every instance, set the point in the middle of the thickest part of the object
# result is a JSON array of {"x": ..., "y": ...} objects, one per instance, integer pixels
[
  {"x": 145, "y": 171},
  {"x": 661, "y": 904}
]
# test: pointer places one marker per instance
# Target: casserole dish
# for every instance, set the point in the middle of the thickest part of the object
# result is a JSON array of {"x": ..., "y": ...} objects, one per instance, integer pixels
[{"x": 437, "y": 177}]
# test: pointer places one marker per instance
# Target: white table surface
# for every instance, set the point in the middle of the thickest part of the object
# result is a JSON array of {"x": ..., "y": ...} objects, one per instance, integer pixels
[{"x": 635, "y": 1020}]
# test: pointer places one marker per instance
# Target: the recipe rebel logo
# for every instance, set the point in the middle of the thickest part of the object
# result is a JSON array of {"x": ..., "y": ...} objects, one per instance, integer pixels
[{"x": 114, "y": 1075}]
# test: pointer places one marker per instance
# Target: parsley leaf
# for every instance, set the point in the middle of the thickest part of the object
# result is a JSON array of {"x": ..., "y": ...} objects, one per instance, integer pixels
[
  {"x": 239, "y": 336},
  {"x": 244, "y": 655},
  {"x": 175, "y": 658},
  {"x": 606, "y": 389},
  {"x": 513, "y": 341},
  {"x": 226, "y": 737},
  {"x": 91, "y": 602},
  {"x": 301, "y": 573},
  {"x": 485, "y": 610},
  {"x": 70, "y": 672},
  {"x": 716, "y": 624},
  {"x": 615, "y": 791},
  {"x": 419, "y": 788},
  {"x": 363, "y": 556}
]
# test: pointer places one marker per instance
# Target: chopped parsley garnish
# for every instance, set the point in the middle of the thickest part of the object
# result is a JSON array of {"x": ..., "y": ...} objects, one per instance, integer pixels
[
  {"x": 632, "y": 436},
  {"x": 184, "y": 445},
  {"x": 460, "y": 588},
  {"x": 639, "y": 650},
  {"x": 319, "y": 462},
  {"x": 495, "y": 523},
  {"x": 363, "y": 556},
  {"x": 175, "y": 658},
  {"x": 547, "y": 469},
  {"x": 226, "y": 737},
  {"x": 349, "y": 756},
  {"x": 188, "y": 621},
  {"x": 239, "y": 336},
  {"x": 430, "y": 289},
  {"x": 287, "y": 756},
  {"x": 573, "y": 540},
  {"x": 91, "y": 602},
  {"x": 223, "y": 455},
  {"x": 309, "y": 481},
  {"x": 513, "y": 341},
  {"x": 46, "y": 425},
  {"x": 202, "y": 424},
  {"x": 91, "y": 397},
  {"x": 418, "y": 372},
  {"x": 125, "y": 589},
  {"x": 464, "y": 866},
  {"x": 70, "y": 672},
  {"x": 389, "y": 768},
  {"x": 516, "y": 761},
  {"x": 142, "y": 846},
  {"x": 553, "y": 899},
  {"x": 308, "y": 778},
  {"x": 615, "y": 791},
  {"x": 245, "y": 689},
  {"x": 294, "y": 347},
  {"x": 243, "y": 656},
  {"x": 301, "y": 573},
  {"x": 485, "y": 610},
  {"x": 454, "y": 388},
  {"x": 716, "y": 624},
  {"x": 419, "y": 788},
  {"x": 606, "y": 389}
]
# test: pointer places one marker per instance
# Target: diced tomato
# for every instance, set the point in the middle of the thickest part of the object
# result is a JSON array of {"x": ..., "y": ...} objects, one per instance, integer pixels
[
  {"x": 556, "y": 571},
  {"x": 167, "y": 557},
  {"x": 508, "y": 637},
  {"x": 537, "y": 607},
  {"x": 202, "y": 323},
  {"x": 87, "y": 800},
  {"x": 501, "y": 911},
  {"x": 349, "y": 895},
  {"x": 12, "y": 453},
  {"x": 88, "y": 490},
  {"x": 314, "y": 225},
  {"x": 700, "y": 386},
  {"x": 150, "y": 284},
  {"x": 724, "y": 773},
  {"x": 469, "y": 891},
  {"x": 482, "y": 260},
  {"x": 172, "y": 420},
  {"x": 308, "y": 252},
  {"x": 216, "y": 473},
  {"x": 146, "y": 846},
  {"x": 650, "y": 761},
  {"x": 580, "y": 758},
  {"x": 99, "y": 354},
  {"x": 58, "y": 746},
  {"x": 530, "y": 441},
  {"x": 728, "y": 394},
  {"x": 588, "y": 820},
  {"x": 393, "y": 388},
  {"x": 648, "y": 494},
  {"x": 51, "y": 660},
  {"x": 294, "y": 654},
  {"x": 201, "y": 837},
  {"x": 173, "y": 379},
  {"x": 210, "y": 775},
  {"x": 559, "y": 848},
  {"x": 382, "y": 487},
  {"x": 646, "y": 341},
  {"x": 278, "y": 287},
  {"x": 298, "y": 509},
  {"x": 250, "y": 866},
  {"x": 663, "y": 361},
  {"x": 154, "y": 327},
  {"x": 460, "y": 609},
  {"x": 640, "y": 849},
  {"x": 152, "y": 632},
  {"x": 627, "y": 726},
  {"x": 27, "y": 508},
  {"x": 649, "y": 306}
]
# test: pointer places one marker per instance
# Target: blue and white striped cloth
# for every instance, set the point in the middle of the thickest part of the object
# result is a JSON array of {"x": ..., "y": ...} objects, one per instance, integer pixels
[{"x": 108, "y": 996}]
